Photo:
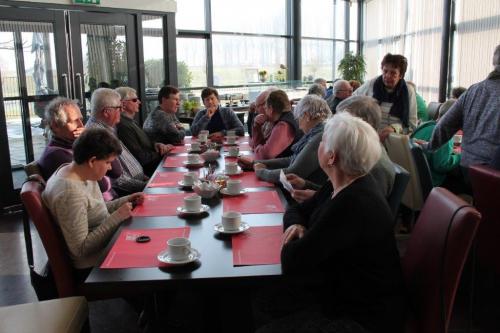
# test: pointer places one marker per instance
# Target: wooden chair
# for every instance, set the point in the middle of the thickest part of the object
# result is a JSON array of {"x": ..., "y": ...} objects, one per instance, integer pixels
[{"x": 435, "y": 257}]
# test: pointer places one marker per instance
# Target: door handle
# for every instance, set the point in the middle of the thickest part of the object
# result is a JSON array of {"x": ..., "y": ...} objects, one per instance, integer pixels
[
  {"x": 80, "y": 88},
  {"x": 66, "y": 86}
]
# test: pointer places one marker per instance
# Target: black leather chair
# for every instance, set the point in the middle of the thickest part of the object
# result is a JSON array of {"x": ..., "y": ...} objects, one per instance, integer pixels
[
  {"x": 401, "y": 180},
  {"x": 433, "y": 110},
  {"x": 424, "y": 171}
]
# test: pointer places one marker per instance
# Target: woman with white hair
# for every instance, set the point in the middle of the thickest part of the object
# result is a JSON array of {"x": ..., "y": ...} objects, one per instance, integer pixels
[
  {"x": 310, "y": 113},
  {"x": 341, "y": 244}
]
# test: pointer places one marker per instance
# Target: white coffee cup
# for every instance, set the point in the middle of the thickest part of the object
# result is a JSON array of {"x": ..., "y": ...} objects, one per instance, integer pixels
[
  {"x": 206, "y": 132},
  {"x": 231, "y": 167},
  {"x": 192, "y": 203},
  {"x": 231, "y": 220},
  {"x": 233, "y": 151},
  {"x": 195, "y": 146},
  {"x": 231, "y": 133},
  {"x": 179, "y": 248},
  {"x": 231, "y": 140},
  {"x": 203, "y": 137},
  {"x": 189, "y": 178},
  {"x": 457, "y": 139},
  {"x": 233, "y": 186},
  {"x": 193, "y": 158}
]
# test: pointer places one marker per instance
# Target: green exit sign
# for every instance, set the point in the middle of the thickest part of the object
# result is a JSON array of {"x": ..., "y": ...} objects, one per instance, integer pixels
[{"x": 87, "y": 2}]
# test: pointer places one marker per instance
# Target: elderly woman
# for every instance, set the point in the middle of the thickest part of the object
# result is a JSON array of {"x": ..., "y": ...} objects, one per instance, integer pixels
[
  {"x": 396, "y": 98},
  {"x": 147, "y": 153},
  {"x": 311, "y": 112},
  {"x": 214, "y": 118},
  {"x": 284, "y": 133},
  {"x": 73, "y": 197},
  {"x": 317, "y": 89},
  {"x": 382, "y": 172},
  {"x": 341, "y": 244}
]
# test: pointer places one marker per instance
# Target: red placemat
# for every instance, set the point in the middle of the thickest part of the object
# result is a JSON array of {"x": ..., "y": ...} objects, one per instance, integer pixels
[
  {"x": 127, "y": 253},
  {"x": 160, "y": 204},
  {"x": 174, "y": 161},
  {"x": 249, "y": 179},
  {"x": 166, "y": 179},
  {"x": 254, "y": 203},
  {"x": 257, "y": 246},
  {"x": 179, "y": 149},
  {"x": 245, "y": 146}
]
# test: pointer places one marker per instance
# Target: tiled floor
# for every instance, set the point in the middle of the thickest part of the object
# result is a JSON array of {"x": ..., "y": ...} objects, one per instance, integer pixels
[{"x": 117, "y": 316}]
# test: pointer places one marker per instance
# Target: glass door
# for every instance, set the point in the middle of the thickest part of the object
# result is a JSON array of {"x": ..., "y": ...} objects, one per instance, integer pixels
[
  {"x": 32, "y": 73},
  {"x": 103, "y": 53}
]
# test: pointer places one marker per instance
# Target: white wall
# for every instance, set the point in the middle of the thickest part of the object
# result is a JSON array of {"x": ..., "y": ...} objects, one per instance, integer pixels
[{"x": 154, "y": 5}]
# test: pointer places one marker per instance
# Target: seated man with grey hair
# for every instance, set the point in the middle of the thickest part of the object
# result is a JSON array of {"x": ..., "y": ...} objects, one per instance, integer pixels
[
  {"x": 106, "y": 108},
  {"x": 383, "y": 172},
  {"x": 149, "y": 154},
  {"x": 317, "y": 89},
  {"x": 64, "y": 122},
  {"x": 310, "y": 113},
  {"x": 341, "y": 90}
]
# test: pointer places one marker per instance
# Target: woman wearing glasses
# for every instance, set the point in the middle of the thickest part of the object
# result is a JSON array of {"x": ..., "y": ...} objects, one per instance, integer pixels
[{"x": 148, "y": 153}]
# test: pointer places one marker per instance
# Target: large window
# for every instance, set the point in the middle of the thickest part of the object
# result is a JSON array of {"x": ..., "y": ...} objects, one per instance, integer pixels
[
  {"x": 154, "y": 68},
  {"x": 325, "y": 36},
  {"x": 476, "y": 36},
  {"x": 411, "y": 28}
]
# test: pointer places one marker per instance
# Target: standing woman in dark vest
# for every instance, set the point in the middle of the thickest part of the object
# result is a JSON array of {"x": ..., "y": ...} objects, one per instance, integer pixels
[{"x": 285, "y": 131}]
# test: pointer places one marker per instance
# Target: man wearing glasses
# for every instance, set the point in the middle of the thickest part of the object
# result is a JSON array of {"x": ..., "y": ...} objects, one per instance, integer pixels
[
  {"x": 133, "y": 136},
  {"x": 341, "y": 90},
  {"x": 106, "y": 108}
]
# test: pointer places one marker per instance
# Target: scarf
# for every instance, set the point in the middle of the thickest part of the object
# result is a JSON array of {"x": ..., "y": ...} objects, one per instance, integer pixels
[
  {"x": 495, "y": 75},
  {"x": 399, "y": 98},
  {"x": 299, "y": 145}
]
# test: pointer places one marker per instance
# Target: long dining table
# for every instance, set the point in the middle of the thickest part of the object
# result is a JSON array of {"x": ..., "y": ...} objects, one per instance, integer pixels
[{"x": 215, "y": 266}]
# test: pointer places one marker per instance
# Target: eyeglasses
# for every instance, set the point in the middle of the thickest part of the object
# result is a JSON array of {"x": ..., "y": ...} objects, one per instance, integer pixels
[{"x": 135, "y": 100}]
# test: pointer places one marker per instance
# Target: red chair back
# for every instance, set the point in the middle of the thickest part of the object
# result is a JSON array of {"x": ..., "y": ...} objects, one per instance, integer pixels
[
  {"x": 51, "y": 237},
  {"x": 434, "y": 259},
  {"x": 486, "y": 188}
]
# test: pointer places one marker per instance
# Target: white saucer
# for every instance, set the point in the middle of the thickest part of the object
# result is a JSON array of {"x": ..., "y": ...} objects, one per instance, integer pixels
[
  {"x": 182, "y": 211},
  {"x": 164, "y": 257},
  {"x": 181, "y": 183},
  {"x": 229, "y": 155},
  {"x": 243, "y": 227},
  {"x": 193, "y": 165},
  {"x": 239, "y": 172},
  {"x": 225, "y": 192}
]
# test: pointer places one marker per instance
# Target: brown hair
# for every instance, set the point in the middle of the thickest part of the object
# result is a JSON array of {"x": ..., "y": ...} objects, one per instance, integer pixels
[
  {"x": 209, "y": 91},
  {"x": 166, "y": 91},
  {"x": 279, "y": 101},
  {"x": 396, "y": 60}
]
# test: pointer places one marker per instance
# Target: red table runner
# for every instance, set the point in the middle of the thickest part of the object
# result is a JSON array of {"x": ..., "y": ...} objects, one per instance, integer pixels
[
  {"x": 179, "y": 149},
  {"x": 166, "y": 179},
  {"x": 127, "y": 253},
  {"x": 249, "y": 179},
  {"x": 254, "y": 203},
  {"x": 257, "y": 246},
  {"x": 174, "y": 161},
  {"x": 160, "y": 204}
]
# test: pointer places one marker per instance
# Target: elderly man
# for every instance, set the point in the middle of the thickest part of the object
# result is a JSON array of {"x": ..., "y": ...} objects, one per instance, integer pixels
[
  {"x": 476, "y": 112},
  {"x": 64, "y": 121},
  {"x": 149, "y": 154},
  {"x": 260, "y": 125},
  {"x": 162, "y": 125},
  {"x": 341, "y": 90},
  {"x": 106, "y": 107}
]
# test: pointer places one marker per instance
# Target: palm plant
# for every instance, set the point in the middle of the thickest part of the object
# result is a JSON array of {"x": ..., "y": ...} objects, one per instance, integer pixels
[{"x": 352, "y": 67}]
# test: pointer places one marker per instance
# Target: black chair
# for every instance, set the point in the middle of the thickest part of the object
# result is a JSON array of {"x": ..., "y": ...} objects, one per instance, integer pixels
[
  {"x": 424, "y": 171},
  {"x": 401, "y": 180}
]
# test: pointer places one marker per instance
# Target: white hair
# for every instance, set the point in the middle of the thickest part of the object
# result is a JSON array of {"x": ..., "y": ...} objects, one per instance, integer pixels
[
  {"x": 317, "y": 89},
  {"x": 126, "y": 92},
  {"x": 102, "y": 98},
  {"x": 315, "y": 106},
  {"x": 496, "y": 58},
  {"x": 354, "y": 141},
  {"x": 55, "y": 111},
  {"x": 364, "y": 107}
]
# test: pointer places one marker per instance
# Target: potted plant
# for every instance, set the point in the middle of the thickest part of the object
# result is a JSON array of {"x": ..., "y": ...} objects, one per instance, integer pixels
[
  {"x": 352, "y": 67},
  {"x": 263, "y": 75}
]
